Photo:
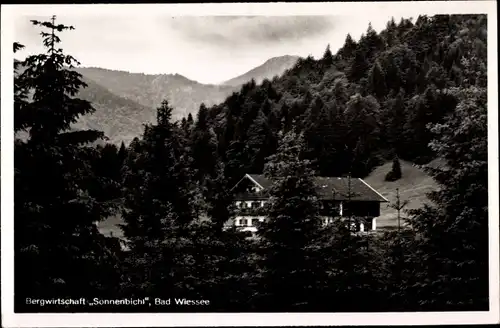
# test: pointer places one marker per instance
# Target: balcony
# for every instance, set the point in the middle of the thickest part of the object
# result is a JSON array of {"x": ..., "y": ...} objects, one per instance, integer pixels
[{"x": 248, "y": 211}]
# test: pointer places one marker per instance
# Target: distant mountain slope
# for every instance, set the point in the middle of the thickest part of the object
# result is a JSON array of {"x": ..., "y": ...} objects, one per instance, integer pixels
[
  {"x": 184, "y": 95},
  {"x": 272, "y": 67},
  {"x": 119, "y": 118}
]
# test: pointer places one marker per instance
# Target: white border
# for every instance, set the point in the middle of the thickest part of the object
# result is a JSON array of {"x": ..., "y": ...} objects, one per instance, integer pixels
[
  {"x": 259, "y": 319},
  {"x": 403, "y": 8}
]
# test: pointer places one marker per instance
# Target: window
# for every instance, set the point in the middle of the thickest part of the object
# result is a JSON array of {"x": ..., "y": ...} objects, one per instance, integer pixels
[
  {"x": 243, "y": 222},
  {"x": 255, "y": 204}
]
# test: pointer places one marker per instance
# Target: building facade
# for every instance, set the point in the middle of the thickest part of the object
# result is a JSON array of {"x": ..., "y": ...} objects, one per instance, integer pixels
[{"x": 341, "y": 198}]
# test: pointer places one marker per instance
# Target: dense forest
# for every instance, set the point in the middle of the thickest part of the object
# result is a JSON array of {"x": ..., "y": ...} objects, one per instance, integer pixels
[{"x": 415, "y": 91}]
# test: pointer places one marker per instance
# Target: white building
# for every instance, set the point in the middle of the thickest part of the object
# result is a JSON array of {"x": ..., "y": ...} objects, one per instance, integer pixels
[{"x": 340, "y": 197}]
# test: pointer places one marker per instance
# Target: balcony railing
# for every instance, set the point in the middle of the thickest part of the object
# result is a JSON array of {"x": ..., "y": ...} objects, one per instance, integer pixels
[
  {"x": 248, "y": 211},
  {"x": 262, "y": 211}
]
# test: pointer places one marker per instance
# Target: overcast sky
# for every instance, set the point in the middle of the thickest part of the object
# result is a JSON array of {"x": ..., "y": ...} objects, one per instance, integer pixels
[{"x": 208, "y": 49}]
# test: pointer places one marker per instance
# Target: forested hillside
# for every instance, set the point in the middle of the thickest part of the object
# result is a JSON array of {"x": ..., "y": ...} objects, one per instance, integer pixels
[
  {"x": 370, "y": 101},
  {"x": 415, "y": 91}
]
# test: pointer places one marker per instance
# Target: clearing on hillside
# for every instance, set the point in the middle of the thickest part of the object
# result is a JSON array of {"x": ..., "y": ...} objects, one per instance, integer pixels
[{"x": 414, "y": 186}]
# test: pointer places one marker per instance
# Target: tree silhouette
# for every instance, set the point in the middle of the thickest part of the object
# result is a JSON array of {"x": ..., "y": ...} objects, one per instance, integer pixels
[
  {"x": 395, "y": 172},
  {"x": 56, "y": 203},
  {"x": 398, "y": 206},
  {"x": 291, "y": 230}
]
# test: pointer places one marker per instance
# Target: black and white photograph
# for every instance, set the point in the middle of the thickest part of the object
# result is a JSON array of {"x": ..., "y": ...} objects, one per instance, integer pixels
[{"x": 236, "y": 161}]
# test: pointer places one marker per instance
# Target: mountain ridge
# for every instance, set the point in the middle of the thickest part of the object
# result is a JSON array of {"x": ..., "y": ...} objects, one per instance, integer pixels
[
  {"x": 272, "y": 67},
  {"x": 125, "y": 101},
  {"x": 149, "y": 90},
  {"x": 156, "y": 75}
]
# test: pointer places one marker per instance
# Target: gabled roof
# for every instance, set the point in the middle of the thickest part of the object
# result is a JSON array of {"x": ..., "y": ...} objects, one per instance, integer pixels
[
  {"x": 338, "y": 188},
  {"x": 333, "y": 188},
  {"x": 261, "y": 180}
]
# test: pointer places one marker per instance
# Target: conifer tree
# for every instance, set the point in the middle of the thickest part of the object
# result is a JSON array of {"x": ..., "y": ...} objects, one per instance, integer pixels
[
  {"x": 373, "y": 40},
  {"x": 290, "y": 235},
  {"x": 161, "y": 203},
  {"x": 61, "y": 84},
  {"x": 398, "y": 206},
  {"x": 429, "y": 107},
  {"x": 377, "y": 80},
  {"x": 351, "y": 277},
  {"x": 347, "y": 51},
  {"x": 391, "y": 33},
  {"x": 209, "y": 171},
  {"x": 190, "y": 119},
  {"x": 20, "y": 90},
  {"x": 203, "y": 146},
  {"x": 287, "y": 119},
  {"x": 398, "y": 268},
  {"x": 261, "y": 142},
  {"x": 107, "y": 167},
  {"x": 323, "y": 133},
  {"x": 363, "y": 136},
  {"x": 59, "y": 251},
  {"x": 122, "y": 153},
  {"x": 327, "y": 57},
  {"x": 454, "y": 247},
  {"x": 360, "y": 64},
  {"x": 395, "y": 172},
  {"x": 223, "y": 270},
  {"x": 394, "y": 119}
]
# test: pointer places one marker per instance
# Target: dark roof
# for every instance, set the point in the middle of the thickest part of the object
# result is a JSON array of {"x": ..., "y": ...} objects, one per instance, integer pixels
[
  {"x": 338, "y": 188},
  {"x": 334, "y": 188}
]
